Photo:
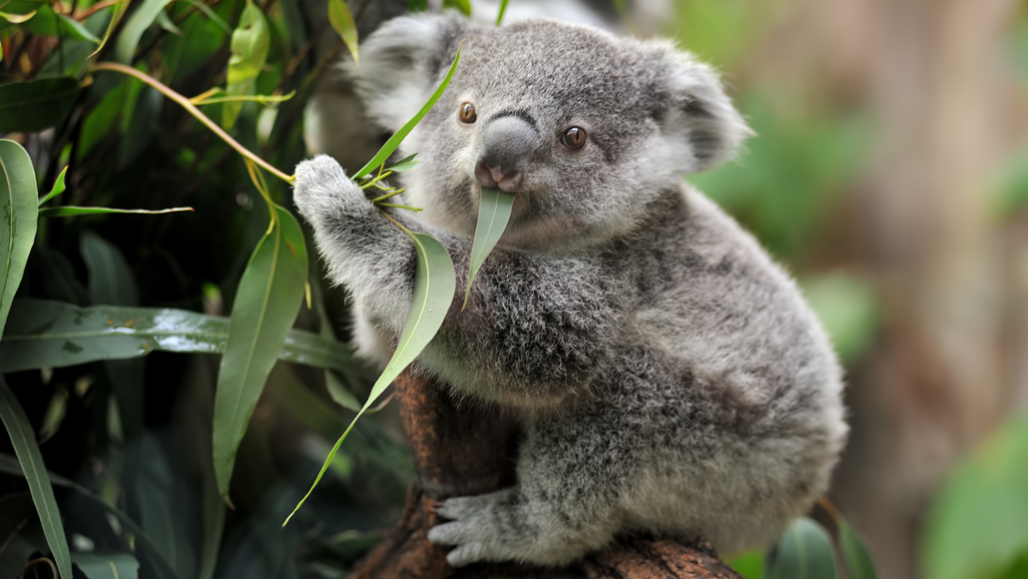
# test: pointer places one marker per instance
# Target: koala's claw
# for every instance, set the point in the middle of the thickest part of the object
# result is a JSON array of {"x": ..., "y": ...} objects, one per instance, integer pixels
[
  {"x": 471, "y": 531},
  {"x": 322, "y": 185}
]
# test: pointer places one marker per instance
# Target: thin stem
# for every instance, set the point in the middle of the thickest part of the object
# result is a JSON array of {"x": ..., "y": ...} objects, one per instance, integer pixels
[
  {"x": 405, "y": 230},
  {"x": 400, "y": 206},
  {"x": 184, "y": 102},
  {"x": 375, "y": 180},
  {"x": 387, "y": 195}
]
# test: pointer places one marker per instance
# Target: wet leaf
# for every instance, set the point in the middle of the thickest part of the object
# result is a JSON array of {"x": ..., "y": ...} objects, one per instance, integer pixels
[
  {"x": 434, "y": 285},
  {"x": 24, "y": 441},
  {"x": 43, "y": 333},
  {"x": 18, "y": 209},
  {"x": 804, "y": 553},
  {"x": 250, "y": 43},
  {"x": 69, "y": 211},
  {"x": 398, "y": 137},
  {"x": 493, "y": 214},
  {"x": 142, "y": 17},
  {"x": 342, "y": 21},
  {"x": 107, "y": 566},
  {"x": 266, "y": 304},
  {"x": 27, "y": 107}
]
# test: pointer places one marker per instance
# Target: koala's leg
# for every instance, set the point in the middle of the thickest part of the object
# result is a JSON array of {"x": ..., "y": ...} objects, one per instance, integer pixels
[{"x": 561, "y": 509}]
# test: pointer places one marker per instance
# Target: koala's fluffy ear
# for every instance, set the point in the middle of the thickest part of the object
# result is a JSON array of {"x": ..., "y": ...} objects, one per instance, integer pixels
[
  {"x": 701, "y": 113},
  {"x": 402, "y": 63}
]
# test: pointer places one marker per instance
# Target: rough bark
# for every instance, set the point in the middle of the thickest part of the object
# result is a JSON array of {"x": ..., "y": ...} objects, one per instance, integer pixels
[{"x": 459, "y": 452}]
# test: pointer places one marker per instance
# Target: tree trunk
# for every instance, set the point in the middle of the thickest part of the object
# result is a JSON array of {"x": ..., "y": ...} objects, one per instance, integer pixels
[{"x": 461, "y": 452}]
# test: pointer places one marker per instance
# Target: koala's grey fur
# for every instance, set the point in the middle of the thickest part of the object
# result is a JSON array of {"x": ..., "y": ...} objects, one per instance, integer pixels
[{"x": 670, "y": 377}]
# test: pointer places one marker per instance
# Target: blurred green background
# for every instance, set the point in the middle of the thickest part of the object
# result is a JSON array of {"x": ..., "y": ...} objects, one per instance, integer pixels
[{"x": 889, "y": 174}]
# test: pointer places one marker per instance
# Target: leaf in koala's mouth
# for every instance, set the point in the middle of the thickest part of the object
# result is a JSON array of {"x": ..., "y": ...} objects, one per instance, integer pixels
[{"x": 493, "y": 214}]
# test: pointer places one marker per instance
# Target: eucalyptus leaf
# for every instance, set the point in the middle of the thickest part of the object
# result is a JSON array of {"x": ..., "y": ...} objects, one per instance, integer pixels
[
  {"x": 23, "y": 438},
  {"x": 855, "y": 555},
  {"x": 18, "y": 209},
  {"x": 405, "y": 164},
  {"x": 46, "y": 22},
  {"x": 434, "y": 285},
  {"x": 804, "y": 553},
  {"x": 503, "y": 9},
  {"x": 58, "y": 188},
  {"x": 251, "y": 41},
  {"x": 107, "y": 566},
  {"x": 142, "y": 17},
  {"x": 48, "y": 334},
  {"x": 463, "y": 6},
  {"x": 398, "y": 137},
  {"x": 70, "y": 211},
  {"x": 266, "y": 304},
  {"x": 493, "y": 214},
  {"x": 342, "y": 21},
  {"x": 35, "y": 105}
]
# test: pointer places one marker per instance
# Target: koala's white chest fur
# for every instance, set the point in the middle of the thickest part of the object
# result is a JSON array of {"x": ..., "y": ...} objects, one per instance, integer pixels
[{"x": 675, "y": 381}]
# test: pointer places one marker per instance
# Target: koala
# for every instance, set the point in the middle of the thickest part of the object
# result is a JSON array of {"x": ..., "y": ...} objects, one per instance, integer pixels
[{"x": 669, "y": 378}]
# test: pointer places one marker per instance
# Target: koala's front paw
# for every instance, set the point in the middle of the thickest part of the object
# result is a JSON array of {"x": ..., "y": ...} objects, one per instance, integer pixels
[
  {"x": 475, "y": 530},
  {"x": 323, "y": 189}
]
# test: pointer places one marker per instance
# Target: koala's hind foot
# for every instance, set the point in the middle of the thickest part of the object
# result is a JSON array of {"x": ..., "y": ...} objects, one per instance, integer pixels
[{"x": 505, "y": 526}]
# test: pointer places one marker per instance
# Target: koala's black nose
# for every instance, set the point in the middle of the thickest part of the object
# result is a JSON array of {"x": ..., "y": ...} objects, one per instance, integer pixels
[{"x": 507, "y": 143}]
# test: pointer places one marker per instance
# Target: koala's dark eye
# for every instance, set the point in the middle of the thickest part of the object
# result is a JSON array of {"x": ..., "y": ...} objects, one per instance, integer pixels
[
  {"x": 467, "y": 114},
  {"x": 574, "y": 138}
]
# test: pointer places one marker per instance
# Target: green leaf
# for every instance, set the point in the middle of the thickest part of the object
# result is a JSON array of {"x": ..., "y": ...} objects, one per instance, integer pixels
[
  {"x": 18, "y": 210},
  {"x": 27, "y": 107},
  {"x": 979, "y": 523},
  {"x": 11, "y": 466},
  {"x": 266, "y": 304},
  {"x": 107, "y": 566},
  {"x": 342, "y": 21},
  {"x": 48, "y": 334},
  {"x": 493, "y": 214},
  {"x": 58, "y": 276},
  {"x": 417, "y": 5},
  {"x": 503, "y": 9},
  {"x": 804, "y": 553},
  {"x": 24, "y": 441},
  {"x": 211, "y": 15},
  {"x": 434, "y": 285},
  {"x": 464, "y": 6},
  {"x": 250, "y": 43},
  {"x": 398, "y": 137},
  {"x": 69, "y": 211},
  {"x": 750, "y": 564},
  {"x": 58, "y": 187},
  {"x": 110, "y": 277},
  {"x": 144, "y": 15},
  {"x": 405, "y": 164},
  {"x": 856, "y": 557},
  {"x": 848, "y": 310},
  {"x": 48, "y": 23}
]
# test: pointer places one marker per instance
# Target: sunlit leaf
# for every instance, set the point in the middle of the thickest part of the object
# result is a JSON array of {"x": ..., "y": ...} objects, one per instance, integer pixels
[
  {"x": 58, "y": 188},
  {"x": 23, "y": 438},
  {"x": 503, "y": 9},
  {"x": 106, "y": 566},
  {"x": 142, "y": 17},
  {"x": 35, "y": 105},
  {"x": 750, "y": 564},
  {"x": 342, "y": 21},
  {"x": 398, "y": 137},
  {"x": 45, "y": 334},
  {"x": 70, "y": 211},
  {"x": 18, "y": 209},
  {"x": 464, "y": 6},
  {"x": 11, "y": 466},
  {"x": 493, "y": 214},
  {"x": 269, "y": 297},
  {"x": 434, "y": 285},
  {"x": 250, "y": 43},
  {"x": 804, "y": 553},
  {"x": 405, "y": 164}
]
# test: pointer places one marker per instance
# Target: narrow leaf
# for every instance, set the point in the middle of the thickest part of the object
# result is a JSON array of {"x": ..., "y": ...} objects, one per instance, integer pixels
[
  {"x": 18, "y": 210},
  {"x": 464, "y": 6},
  {"x": 804, "y": 553},
  {"x": 434, "y": 285},
  {"x": 32, "y": 106},
  {"x": 58, "y": 187},
  {"x": 493, "y": 214},
  {"x": 110, "y": 278},
  {"x": 398, "y": 137},
  {"x": 107, "y": 566},
  {"x": 47, "y": 334},
  {"x": 859, "y": 564},
  {"x": 69, "y": 211},
  {"x": 144, "y": 15},
  {"x": 405, "y": 164},
  {"x": 49, "y": 23},
  {"x": 503, "y": 8},
  {"x": 250, "y": 43},
  {"x": 24, "y": 441},
  {"x": 211, "y": 14},
  {"x": 266, "y": 304},
  {"x": 342, "y": 21}
]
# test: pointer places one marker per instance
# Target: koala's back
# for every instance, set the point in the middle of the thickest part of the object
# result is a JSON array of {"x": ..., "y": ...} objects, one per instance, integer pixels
[{"x": 723, "y": 393}]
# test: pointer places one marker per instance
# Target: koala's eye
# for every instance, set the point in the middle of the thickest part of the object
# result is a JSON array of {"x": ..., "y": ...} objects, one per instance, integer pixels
[
  {"x": 467, "y": 114},
  {"x": 574, "y": 138}
]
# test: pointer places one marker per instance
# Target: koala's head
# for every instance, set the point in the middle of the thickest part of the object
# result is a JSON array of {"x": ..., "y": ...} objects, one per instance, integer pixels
[{"x": 584, "y": 128}]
